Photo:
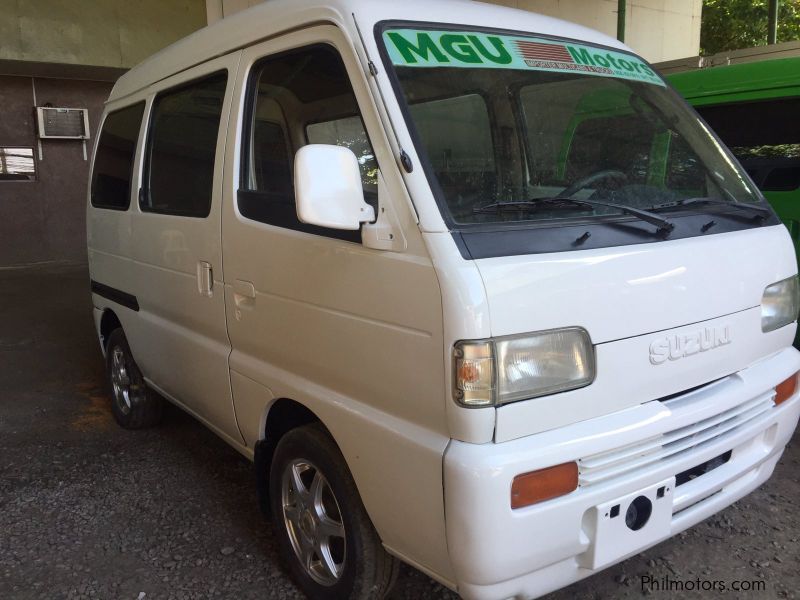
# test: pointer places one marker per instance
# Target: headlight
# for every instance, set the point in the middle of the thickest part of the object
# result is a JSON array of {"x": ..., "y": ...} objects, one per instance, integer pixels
[
  {"x": 502, "y": 370},
  {"x": 780, "y": 304}
]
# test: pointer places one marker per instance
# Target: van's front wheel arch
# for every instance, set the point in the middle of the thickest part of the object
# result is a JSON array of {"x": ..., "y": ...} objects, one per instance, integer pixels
[
  {"x": 324, "y": 534},
  {"x": 133, "y": 404}
]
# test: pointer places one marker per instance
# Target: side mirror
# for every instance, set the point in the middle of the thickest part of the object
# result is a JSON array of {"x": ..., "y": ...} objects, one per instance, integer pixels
[{"x": 328, "y": 189}]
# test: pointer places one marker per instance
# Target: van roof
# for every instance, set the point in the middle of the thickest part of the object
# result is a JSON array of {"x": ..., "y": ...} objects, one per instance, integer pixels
[
  {"x": 279, "y": 16},
  {"x": 772, "y": 78}
]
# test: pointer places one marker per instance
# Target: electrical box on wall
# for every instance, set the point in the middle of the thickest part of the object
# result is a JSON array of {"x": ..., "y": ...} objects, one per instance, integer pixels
[{"x": 63, "y": 123}]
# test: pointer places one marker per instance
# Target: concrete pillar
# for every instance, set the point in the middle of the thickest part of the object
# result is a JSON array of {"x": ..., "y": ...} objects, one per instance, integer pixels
[
  {"x": 772, "y": 30},
  {"x": 621, "y": 6}
]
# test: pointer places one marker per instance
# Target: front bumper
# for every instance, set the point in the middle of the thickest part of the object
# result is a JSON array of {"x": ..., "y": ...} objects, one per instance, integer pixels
[{"x": 500, "y": 553}]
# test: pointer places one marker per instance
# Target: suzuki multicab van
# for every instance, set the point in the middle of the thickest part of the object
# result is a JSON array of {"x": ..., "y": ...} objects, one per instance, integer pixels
[{"x": 473, "y": 288}]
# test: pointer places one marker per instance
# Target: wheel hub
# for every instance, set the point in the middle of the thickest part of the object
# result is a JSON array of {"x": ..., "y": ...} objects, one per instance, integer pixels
[
  {"x": 307, "y": 524},
  {"x": 120, "y": 380},
  {"x": 313, "y": 522}
]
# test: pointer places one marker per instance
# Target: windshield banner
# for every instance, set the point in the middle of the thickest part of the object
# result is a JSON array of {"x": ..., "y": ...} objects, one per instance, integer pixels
[{"x": 469, "y": 49}]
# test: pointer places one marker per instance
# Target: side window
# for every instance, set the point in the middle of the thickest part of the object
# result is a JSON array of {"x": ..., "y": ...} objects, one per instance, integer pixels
[
  {"x": 113, "y": 161},
  {"x": 349, "y": 132},
  {"x": 764, "y": 136},
  {"x": 181, "y": 146},
  {"x": 298, "y": 98},
  {"x": 783, "y": 179}
]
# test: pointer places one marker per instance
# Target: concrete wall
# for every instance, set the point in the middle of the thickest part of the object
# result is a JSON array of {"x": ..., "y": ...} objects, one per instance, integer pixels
[
  {"x": 72, "y": 50},
  {"x": 44, "y": 220},
  {"x": 113, "y": 33},
  {"x": 218, "y": 9},
  {"x": 657, "y": 29}
]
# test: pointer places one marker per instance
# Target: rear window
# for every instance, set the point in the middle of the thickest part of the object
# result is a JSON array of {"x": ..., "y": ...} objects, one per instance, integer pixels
[{"x": 113, "y": 162}]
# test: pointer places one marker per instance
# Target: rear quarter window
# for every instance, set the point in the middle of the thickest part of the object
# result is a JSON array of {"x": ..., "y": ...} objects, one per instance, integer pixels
[{"x": 113, "y": 162}]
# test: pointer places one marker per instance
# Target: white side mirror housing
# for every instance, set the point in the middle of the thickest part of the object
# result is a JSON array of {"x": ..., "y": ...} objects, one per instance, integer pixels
[{"x": 328, "y": 189}]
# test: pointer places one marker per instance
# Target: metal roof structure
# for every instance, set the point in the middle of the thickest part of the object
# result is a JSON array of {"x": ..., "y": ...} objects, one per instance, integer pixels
[{"x": 732, "y": 57}]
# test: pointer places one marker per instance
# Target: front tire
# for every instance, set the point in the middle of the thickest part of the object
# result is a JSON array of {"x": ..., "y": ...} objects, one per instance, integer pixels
[
  {"x": 133, "y": 404},
  {"x": 324, "y": 534}
]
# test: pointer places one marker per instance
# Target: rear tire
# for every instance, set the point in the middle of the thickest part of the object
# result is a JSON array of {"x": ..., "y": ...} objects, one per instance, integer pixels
[
  {"x": 324, "y": 534},
  {"x": 133, "y": 404}
]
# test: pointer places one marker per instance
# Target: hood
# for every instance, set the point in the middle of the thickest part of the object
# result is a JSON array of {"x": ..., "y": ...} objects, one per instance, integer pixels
[
  {"x": 630, "y": 298},
  {"x": 617, "y": 293}
]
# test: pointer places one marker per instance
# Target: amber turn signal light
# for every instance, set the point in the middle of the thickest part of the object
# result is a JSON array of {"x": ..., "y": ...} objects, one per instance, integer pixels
[
  {"x": 544, "y": 484},
  {"x": 785, "y": 389}
]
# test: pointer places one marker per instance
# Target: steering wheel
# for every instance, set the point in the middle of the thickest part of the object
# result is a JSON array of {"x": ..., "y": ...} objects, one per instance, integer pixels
[{"x": 590, "y": 179}]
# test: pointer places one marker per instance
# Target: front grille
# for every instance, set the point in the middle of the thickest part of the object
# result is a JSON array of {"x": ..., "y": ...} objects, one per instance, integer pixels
[
  {"x": 644, "y": 454},
  {"x": 702, "y": 469}
]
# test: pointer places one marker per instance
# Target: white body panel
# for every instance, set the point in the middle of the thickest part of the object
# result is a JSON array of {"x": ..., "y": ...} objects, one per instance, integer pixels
[
  {"x": 339, "y": 328},
  {"x": 179, "y": 324},
  {"x": 362, "y": 334}
]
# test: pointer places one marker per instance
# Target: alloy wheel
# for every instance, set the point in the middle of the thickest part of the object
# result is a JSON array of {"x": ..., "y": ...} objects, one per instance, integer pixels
[{"x": 313, "y": 521}]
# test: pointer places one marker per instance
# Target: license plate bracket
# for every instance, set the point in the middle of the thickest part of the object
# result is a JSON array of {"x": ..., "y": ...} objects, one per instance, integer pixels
[{"x": 626, "y": 524}]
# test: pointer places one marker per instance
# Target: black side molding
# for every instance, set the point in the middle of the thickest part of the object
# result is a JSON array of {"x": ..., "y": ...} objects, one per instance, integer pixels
[{"x": 115, "y": 295}]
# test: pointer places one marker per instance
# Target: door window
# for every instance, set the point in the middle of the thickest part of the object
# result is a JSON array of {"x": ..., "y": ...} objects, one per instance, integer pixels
[
  {"x": 297, "y": 98},
  {"x": 181, "y": 148},
  {"x": 348, "y": 132}
]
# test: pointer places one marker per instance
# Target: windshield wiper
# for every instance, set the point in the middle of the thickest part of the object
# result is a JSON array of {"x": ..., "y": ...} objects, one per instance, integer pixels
[
  {"x": 761, "y": 212},
  {"x": 526, "y": 205},
  {"x": 663, "y": 224}
]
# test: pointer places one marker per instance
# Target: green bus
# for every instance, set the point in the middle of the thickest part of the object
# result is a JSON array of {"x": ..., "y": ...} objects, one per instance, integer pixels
[{"x": 754, "y": 107}]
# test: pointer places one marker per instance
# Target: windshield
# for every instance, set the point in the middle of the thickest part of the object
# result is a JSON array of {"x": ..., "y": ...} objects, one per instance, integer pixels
[{"x": 522, "y": 129}]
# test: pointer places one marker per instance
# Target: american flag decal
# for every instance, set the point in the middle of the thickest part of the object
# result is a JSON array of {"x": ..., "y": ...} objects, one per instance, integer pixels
[{"x": 546, "y": 52}]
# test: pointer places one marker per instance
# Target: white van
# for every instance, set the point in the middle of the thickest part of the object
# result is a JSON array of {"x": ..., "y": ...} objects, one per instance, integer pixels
[{"x": 474, "y": 288}]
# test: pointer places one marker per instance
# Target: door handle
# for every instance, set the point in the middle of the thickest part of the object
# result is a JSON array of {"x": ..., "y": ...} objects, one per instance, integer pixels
[
  {"x": 245, "y": 289},
  {"x": 244, "y": 296},
  {"x": 205, "y": 279}
]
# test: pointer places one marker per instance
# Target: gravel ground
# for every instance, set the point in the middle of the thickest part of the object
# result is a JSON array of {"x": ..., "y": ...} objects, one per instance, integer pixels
[{"x": 88, "y": 510}]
